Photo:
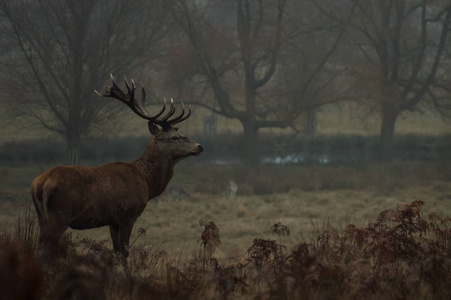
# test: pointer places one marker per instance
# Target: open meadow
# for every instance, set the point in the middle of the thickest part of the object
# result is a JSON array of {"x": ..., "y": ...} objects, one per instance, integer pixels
[
  {"x": 322, "y": 256},
  {"x": 337, "y": 230},
  {"x": 304, "y": 198}
]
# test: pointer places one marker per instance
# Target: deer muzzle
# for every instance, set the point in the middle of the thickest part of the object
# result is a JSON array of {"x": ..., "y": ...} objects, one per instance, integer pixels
[{"x": 199, "y": 150}]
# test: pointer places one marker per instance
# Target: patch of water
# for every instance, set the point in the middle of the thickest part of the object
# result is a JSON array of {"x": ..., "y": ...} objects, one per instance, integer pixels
[
  {"x": 288, "y": 159},
  {"x": 294, "y": 159}
]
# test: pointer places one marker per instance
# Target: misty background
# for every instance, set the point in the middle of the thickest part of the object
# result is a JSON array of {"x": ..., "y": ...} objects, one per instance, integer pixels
[
  {"x": 327, "y": 135},
  {"x": 270, "y": 82}
]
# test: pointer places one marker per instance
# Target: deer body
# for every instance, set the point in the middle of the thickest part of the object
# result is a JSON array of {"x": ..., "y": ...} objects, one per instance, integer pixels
[{"x": 113, "y": 194}]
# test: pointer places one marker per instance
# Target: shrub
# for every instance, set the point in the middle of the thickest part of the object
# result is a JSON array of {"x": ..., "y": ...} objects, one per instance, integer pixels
[{"x": 228, "y": 148}]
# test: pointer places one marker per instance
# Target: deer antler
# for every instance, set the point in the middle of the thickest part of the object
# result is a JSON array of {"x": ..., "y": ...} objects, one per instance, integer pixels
[{"x": 129, "y": 99}]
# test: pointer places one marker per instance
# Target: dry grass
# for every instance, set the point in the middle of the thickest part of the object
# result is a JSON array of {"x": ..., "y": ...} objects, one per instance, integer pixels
[
  {"x": 403, "y": 253},
  {"x": 391, "y": 251},
  {"x": 303, "y": 198}
]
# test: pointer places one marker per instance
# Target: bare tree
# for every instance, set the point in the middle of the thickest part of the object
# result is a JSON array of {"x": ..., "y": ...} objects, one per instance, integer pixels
[
  {"x": 240, "y": 53},
  {"x": 311, "y": 71},
  {"x": 401, "y": 45},
  {"x": 56, "y": 50},
  {"x": 240, "y": 49}
]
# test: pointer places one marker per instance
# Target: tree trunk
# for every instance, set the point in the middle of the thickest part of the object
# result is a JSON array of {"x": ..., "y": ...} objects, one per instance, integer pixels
[
  {"x": 73, "y": 149},
  {"x": 387, "y": 134},
  {"x": 310, "y": 124},
  {"x": 252, "y": 154},
  {"x": 73, "y": 134}
]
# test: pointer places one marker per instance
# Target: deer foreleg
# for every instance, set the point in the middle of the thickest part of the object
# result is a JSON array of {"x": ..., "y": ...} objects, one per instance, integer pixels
[
  {"x": 115, "y": 237},
  {"x": 125, "y": 232}
]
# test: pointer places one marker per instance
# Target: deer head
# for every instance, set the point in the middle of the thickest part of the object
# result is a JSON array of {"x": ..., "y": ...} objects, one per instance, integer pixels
[{"x": 166, "y": 135}]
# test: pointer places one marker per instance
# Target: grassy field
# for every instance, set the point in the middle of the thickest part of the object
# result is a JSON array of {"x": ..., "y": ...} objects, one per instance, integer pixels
[
  {"x": 304, "y": 198},
  {"x": 322, "y": 257}
]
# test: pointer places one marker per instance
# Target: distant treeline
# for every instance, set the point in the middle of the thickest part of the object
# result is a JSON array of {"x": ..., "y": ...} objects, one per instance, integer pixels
[{"x": 229, "y": 149}]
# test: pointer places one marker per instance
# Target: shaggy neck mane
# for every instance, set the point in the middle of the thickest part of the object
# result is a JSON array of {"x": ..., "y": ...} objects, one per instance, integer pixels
[{"x": 157, "y": 166}]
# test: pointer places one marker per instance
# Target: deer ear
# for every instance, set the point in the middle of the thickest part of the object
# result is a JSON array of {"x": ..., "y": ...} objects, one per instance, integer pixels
[{"x": 153, "y": 128}]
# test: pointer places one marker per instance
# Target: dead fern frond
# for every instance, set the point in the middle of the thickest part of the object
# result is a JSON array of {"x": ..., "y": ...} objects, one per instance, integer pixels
[
  {"x": 356, "y": 235},
  {"x": 141, "y": 232},
  {"x": 280, "y": 229},
  {"x": 263, "y": 251},
  {"x": 210, "y": 237}
]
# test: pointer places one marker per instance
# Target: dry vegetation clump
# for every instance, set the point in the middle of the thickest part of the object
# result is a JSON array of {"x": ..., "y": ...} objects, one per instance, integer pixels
[
  {"x": 20, "y": 274},
  {"x": 400, "y": 255},
  {"x": 210, "y": 238}
]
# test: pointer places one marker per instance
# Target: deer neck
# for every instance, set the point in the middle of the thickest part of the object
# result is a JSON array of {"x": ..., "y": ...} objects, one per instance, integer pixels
[{"x": 157, "y": 167}]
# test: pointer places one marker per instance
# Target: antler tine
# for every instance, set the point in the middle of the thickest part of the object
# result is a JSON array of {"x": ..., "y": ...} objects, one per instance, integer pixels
[
  {"x": 131, "y": 102},
  {"x": 167, "y": 123},
  {"x": 114, "y": 91},
  {"x": 141, "y": 106},
  {"x": 115, "y": 87},
  {"x": 143, "y": 94},
  {"x": 131, "y": 91},
  {"x": 184, "y": 118},
  {"x": 154, "y": 118},
  {"x": 164, "y": 119},
  {"x": 129, "y": 99},
  {"x": 127, "y": 85},
  {"x": 174, "y": 120}
]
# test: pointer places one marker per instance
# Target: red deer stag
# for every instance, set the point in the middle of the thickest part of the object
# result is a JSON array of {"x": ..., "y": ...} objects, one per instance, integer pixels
[{"x": 113, "y": 194}]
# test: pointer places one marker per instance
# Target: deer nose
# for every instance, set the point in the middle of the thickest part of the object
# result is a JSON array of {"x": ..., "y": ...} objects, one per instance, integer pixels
[{"x": 201, "y": 148}]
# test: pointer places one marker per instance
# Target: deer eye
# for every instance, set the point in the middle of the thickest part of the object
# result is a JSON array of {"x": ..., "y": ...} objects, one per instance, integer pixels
[{"x": 175, "y": 138}]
